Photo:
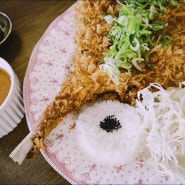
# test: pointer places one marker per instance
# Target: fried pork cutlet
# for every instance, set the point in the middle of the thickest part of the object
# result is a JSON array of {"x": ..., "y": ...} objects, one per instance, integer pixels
[{"x": 87, "y": 82}]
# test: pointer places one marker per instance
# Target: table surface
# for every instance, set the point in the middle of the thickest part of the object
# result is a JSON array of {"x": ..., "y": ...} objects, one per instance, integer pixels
[{"x": 30, "y": 19}]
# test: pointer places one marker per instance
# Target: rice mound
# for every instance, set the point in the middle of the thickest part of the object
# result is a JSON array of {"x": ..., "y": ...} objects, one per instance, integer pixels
[{"x": 120, "y": 146}]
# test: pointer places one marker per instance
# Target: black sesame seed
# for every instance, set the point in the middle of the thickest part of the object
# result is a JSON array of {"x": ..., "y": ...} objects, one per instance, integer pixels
[{"x": 110, "y": 124}]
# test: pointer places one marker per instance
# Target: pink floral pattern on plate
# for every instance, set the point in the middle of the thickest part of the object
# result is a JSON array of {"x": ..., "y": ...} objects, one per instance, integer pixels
[{"x": 49, "y": 63}]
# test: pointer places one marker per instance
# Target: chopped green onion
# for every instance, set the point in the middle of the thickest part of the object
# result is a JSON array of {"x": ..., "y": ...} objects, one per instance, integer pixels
[{"x": 132, "y": 35}]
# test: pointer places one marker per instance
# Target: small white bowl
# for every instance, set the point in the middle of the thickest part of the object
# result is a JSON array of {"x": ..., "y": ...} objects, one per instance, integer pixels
[{"x": 12, "y": 109}]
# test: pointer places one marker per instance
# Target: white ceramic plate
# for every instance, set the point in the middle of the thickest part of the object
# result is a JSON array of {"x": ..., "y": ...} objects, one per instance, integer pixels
[{"x": 48, "y": 66}]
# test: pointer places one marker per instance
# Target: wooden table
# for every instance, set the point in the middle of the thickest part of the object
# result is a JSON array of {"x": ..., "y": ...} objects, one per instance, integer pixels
[{"x": 30, "y": 20}]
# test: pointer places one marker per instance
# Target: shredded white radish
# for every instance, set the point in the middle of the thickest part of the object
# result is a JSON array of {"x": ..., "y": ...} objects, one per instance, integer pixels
[{"x": 163, "y": 113}]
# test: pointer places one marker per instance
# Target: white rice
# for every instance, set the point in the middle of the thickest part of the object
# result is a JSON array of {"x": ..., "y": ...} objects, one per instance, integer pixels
[{"x": 121, "y": 146}]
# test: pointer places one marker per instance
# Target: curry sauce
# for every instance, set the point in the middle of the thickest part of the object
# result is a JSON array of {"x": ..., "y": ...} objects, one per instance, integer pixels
[{"x": 4, "y": 85}]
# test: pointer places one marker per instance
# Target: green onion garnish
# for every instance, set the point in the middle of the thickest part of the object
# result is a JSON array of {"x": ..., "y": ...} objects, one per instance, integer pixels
[{"x": 132, "y": 35}]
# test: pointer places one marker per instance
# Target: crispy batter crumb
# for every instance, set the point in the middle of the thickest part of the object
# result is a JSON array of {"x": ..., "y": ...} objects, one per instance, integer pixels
[{"x": 86, "y": 82}]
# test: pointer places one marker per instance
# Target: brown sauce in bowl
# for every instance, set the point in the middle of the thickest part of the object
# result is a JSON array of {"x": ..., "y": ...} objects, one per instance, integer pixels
[{"x": 5, "y": 83}]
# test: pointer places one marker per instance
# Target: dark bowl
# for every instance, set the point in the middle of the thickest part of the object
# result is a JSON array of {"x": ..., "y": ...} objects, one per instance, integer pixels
[{"x": 5, "y": 27}]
